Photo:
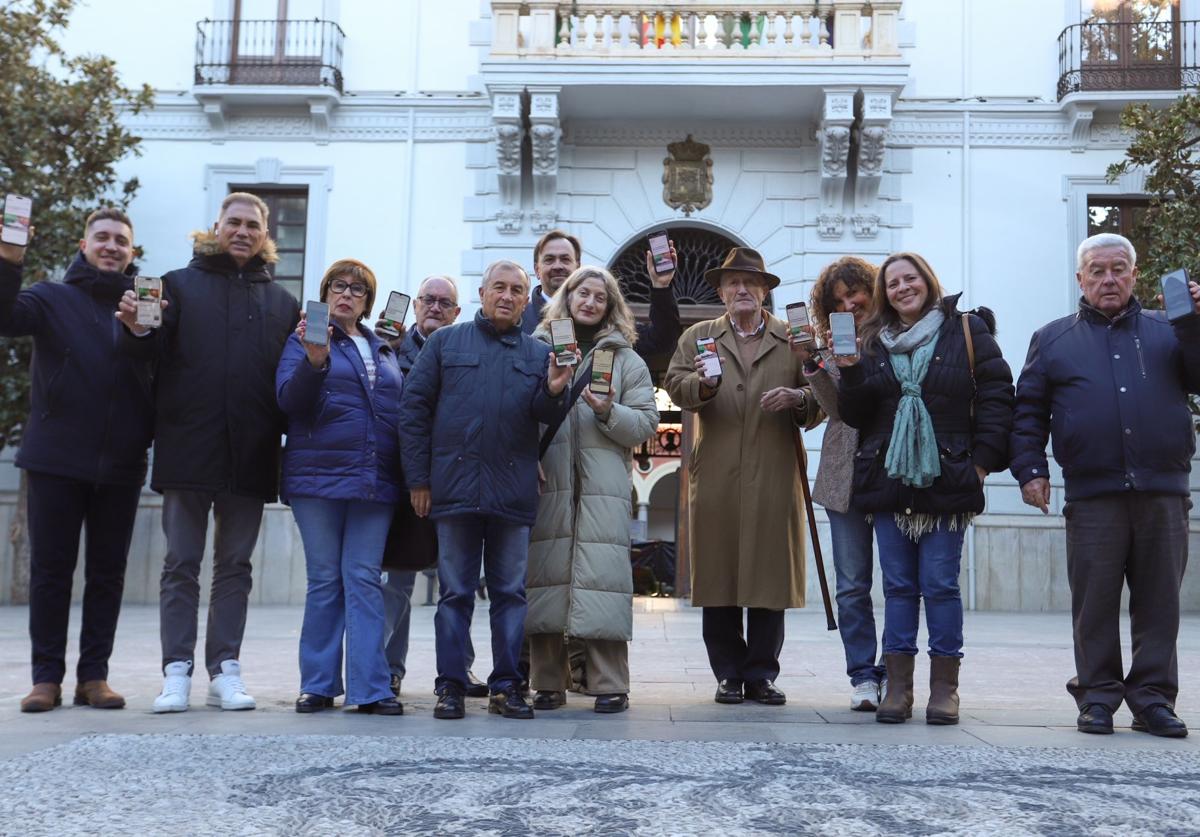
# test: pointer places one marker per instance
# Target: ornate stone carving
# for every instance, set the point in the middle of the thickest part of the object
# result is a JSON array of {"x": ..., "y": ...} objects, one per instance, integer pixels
[
  {"x": 875, "y": 119},
  {"x": 865, "y": 225},
  {"x": 508, "y": 148},
  {"x": 545, "y": 139},
  {"x": 508, "y": 221},
  {"x": 687, "y": 176},
  {"x": 541, "y": 220},
  {"x": 835, "y": 150},
  {"x": 870, "y": 150},
  {"x": 833, "y": 137},
  {"x": 509, "y": 133},
  {"x": 830, "y": 225},
  {"x": 545, "y": 136}
]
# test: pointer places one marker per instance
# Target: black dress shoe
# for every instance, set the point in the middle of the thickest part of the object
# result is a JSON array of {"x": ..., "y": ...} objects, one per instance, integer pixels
[
  {"x": 764, "y": 691},
  {"x": 509, "y": 704},
  {"x": 1096, "y": 719},
  {"x": 1160, "y": 720},
  {"x": 548, "y": 700},
  {"x": 395, "y": 684},
  {"x": 449, "y": 704},
  {"x": 476, "y": 688},
  {"x": 313, "y": 703},
  {"x": 387, "y": 706},
  {"x": 729, "y": 691},
  {"x": 607, "y": 704}
]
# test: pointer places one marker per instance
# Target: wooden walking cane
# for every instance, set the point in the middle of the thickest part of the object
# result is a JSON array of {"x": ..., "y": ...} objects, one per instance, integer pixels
[{"x": 801, "y": 463}]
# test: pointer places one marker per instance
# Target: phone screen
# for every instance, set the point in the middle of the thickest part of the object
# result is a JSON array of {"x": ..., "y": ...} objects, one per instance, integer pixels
[
  {"x": 602, "y": 371},
  {"x": 394, "y": 313},
  {"x": 845, "y": 335},
  {"x": 660, "y": 252},
  {"x": 706, "y": 347},
  {"x": 562, "y": 336},
  {"x": 798, "y": 322},
  {"x": 316, "y": 330},
  {"x": 1176, "y": 298},
  {"x": 18, "y": 213},
  {"x": 148, "y": 290}
]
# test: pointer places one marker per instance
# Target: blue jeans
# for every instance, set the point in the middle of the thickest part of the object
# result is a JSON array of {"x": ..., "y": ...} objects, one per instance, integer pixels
[
  {"x": 343, "y": 545},
  {"x": 927, "y": 569},
  {"x": 505, "y": 554},
  {"x": 853, "y": 562}
]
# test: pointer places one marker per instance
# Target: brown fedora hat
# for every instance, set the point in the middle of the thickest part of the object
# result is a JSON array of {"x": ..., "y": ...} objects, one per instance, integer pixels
[{"x": 742, "y": 260}]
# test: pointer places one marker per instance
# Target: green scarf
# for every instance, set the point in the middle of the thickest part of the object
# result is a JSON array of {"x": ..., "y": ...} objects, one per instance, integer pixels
[{"x": 912, "y": 455}]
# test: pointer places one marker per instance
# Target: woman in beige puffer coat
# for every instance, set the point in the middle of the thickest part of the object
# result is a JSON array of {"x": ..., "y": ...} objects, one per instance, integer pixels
[{"x": 580, "y": 581}]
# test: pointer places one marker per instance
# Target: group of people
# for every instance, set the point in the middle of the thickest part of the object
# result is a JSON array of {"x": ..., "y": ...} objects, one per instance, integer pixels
[{"x": 516, "y": 468}]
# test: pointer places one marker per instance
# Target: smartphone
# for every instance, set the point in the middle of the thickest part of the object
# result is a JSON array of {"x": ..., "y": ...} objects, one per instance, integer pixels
[
  {"x": 562, "y": 337},
  {"x": 316, "y": 330},
  {"x": 845, "y": 335},
  {"x": 1177, "y": 299},
  {"x": 394, "y": 313},
  {"x": 706, "y": 347},
  {"x": 660, "y": 252},
  {"x": 798, "y": 322},
  {"x": 18, "y": 211},
  {"x": 148, "y": 290},
  {"x": 602, "y": 371}
]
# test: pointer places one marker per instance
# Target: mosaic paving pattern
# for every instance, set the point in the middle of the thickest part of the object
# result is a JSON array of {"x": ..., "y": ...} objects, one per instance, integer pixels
[{"x": 318, "y": 785}]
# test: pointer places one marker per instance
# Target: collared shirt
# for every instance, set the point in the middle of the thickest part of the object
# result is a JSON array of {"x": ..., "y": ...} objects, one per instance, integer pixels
[{"x": 761, "y": 325}]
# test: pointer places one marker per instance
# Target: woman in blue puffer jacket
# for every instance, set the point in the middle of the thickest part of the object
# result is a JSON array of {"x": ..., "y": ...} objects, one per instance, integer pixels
[{"x": 341, "y": 476}]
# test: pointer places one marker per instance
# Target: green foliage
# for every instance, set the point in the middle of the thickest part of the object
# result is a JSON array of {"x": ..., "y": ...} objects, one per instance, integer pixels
[
  {"x": 1165, "y": 144},
  {"x": 60, "y": 140}
]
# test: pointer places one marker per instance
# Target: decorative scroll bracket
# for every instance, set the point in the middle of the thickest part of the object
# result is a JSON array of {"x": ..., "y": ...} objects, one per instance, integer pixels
[
  {"x": 875, "y": 109},
  {"x": 509, "y": 132},
  {"x": 545, "y": 136},
  {"x": 833, "y": 137}
]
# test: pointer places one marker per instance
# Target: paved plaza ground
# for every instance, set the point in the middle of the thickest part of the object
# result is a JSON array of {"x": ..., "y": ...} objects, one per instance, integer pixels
[{"x": 675, "y": 763}]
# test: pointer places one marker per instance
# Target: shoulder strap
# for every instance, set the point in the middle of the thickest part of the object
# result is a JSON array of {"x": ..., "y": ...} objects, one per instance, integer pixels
[
  {"x": 585, "y": 378},
  {"x": 966, "y": 325}
]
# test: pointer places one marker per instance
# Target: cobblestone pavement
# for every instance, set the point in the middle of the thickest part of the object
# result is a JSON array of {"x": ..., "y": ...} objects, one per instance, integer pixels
[{"x": 675, "y": 763}]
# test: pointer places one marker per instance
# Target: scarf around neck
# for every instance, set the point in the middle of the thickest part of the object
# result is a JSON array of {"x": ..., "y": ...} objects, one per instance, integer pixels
[{"x": 912, "y": 455}]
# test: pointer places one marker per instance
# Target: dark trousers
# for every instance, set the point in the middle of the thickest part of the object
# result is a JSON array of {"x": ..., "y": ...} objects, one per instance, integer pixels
[
  {"x": 752, "y": 655},
  {"x": 58, "y": 508},
  {"x": 1139, "y": 539}
]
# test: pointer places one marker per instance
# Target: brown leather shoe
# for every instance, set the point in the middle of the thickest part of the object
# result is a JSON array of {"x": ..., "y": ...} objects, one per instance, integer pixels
[
  {"x": 96, "y": 693},
  {"x": 42, "y": 698}
]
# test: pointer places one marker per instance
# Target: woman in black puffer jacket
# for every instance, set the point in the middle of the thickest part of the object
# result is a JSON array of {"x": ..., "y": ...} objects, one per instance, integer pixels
[{"x": 930, "y": 430}]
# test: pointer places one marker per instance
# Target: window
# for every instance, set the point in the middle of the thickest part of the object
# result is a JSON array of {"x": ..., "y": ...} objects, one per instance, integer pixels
[
  {"x": 278, "y": 42},
  {"x": 1117, "y": 215},
  {"x": 1130, "y": 44},
  {"x": 288, "y": 225}
]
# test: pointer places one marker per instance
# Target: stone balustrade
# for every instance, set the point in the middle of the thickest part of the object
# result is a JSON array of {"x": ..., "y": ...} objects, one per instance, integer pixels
[{"x": 824, "y": 30}]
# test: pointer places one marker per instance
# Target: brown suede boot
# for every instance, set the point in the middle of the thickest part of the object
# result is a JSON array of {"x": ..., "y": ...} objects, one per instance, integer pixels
[
  {"x": 42, "y": 698},
  {"x": 97, "y": 693},
  {"x": 896, "y": 706},
  {"x": 943, "y": 691}
]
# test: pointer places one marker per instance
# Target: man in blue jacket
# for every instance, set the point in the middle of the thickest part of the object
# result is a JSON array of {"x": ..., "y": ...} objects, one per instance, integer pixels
[
  {"x": 1108, "y": 385},
  {"x": 83, "y": 450},
  {"x": 470, "y": 414}
]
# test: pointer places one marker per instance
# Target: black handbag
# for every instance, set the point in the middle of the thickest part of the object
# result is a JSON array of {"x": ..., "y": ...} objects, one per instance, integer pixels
[{"x": 411, "y": 541}]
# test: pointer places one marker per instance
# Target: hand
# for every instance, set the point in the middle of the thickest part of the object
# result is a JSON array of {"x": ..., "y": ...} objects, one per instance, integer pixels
[
  {"x": 803, "y": 349},
  {"x": 421, "y": 501},
  {"x": 558, "y": 377},
  {"x": 317, "y": 355},
  {"x": 601, "y": 404},
  {"x": 386, "y": 337},
  {"x": 782, "y": 398},
  {"x": 661, "y": 280},
  {"x": 127, "y": 313},
  {"x": 14, "y": 253},
  {"x": 1194, "y": 289},
  {"x": 844, "y": 361},
  {"x": 711, "y": 383},
  {"x": 1036, "y": 493},
  {"x": 981, "y": 472}
]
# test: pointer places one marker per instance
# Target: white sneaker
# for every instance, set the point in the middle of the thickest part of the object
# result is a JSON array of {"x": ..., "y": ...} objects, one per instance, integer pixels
[
  {"x": 177, "y": 686},
  {"x": 227, "y": 689},
  {"x": 865, "y": 697}
]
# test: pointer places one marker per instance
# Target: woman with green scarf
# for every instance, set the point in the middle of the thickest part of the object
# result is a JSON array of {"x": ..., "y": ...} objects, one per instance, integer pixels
[{"x": 932, "y": 399}]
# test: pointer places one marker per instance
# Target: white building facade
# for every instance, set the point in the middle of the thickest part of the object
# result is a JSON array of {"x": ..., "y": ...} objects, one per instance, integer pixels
[{"x": 435, "y": 137}]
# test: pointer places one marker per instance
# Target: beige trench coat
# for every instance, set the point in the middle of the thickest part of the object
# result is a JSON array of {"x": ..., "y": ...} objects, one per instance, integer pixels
[{"x": 746, "y": 517}]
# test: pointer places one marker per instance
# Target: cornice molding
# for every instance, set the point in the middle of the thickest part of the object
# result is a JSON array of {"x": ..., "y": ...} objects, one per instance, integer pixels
[
  {"x": 660, "y": 135},
  {"x": 1013, "y": 131}
]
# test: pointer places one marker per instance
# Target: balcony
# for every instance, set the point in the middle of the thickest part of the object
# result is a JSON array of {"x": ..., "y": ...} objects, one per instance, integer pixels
[
  {"x": 269, "y": 53},
  {"x": 1121, "y": 62}
]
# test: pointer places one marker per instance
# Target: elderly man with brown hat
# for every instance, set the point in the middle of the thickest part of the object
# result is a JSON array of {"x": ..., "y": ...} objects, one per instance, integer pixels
[{"x": 746, "y": 527}]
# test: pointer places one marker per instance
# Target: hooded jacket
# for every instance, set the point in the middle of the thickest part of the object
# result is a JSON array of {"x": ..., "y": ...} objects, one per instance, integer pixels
[
  {"x": 91, "y": 416},
  {"x": 223, "y": 332}
]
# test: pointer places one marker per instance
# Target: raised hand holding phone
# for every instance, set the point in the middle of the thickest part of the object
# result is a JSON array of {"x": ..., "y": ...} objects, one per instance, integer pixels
[
  {"x": 708, "y": 362},
  {"x": 661, "y": 259},
  {"x": 315, "y": 333},
  {"x": 127, "y": 313}
]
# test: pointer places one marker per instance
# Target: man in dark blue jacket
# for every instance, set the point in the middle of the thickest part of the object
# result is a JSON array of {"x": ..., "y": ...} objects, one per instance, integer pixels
[
  {"x": 470, "y": 414},
  {"x": 1108, "y": 385},
  {"x": 83, "y": 450}
]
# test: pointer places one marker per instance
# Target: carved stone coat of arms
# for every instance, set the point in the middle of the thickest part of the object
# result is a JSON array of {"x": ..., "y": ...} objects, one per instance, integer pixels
[{"x": 687, "y": 176}]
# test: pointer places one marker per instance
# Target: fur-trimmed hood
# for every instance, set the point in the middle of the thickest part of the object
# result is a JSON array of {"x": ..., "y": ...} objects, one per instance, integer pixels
[{"x": 204, "y": 243}]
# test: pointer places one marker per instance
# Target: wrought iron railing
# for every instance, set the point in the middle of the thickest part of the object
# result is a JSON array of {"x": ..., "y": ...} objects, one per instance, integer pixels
[
  {"x": 306, "y": 53},
  {"x": 1128, "y": 56}
]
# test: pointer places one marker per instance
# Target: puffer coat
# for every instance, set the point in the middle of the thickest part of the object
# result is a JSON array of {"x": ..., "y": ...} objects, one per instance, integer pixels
[{"x": 580, "y": 582}]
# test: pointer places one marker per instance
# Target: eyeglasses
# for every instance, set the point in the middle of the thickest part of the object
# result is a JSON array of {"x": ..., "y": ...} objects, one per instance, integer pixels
[
  {"x": 437, "y": 302},
  {"x": 357, "y": 289}
]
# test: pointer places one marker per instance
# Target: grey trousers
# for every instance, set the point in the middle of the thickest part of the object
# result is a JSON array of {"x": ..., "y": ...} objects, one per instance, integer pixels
[
  {"x": 397, "y": 615},
  {"x": 185, "y": 524},
  {"x": 1139, "y": 539},
  {"x": 607, "y": 664}
]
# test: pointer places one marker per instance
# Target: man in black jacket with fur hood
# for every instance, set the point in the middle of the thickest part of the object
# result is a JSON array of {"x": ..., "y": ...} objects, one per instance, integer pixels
[{"x": 217, "y": 447}]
